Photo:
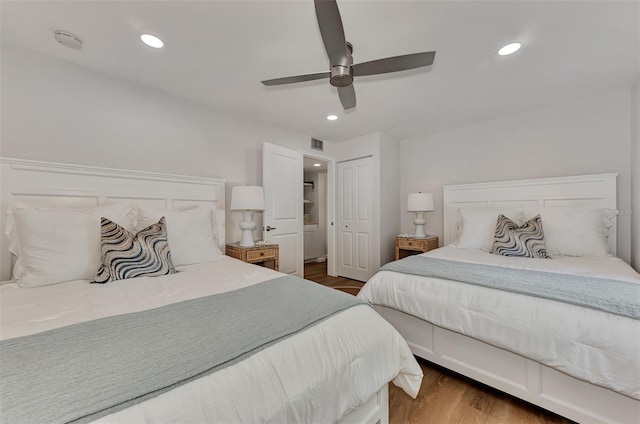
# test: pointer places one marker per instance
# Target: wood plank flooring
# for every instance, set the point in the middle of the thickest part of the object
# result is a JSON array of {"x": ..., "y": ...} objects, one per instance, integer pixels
[
  {"x": 447, "y": 397},
  {"x": 317, "y": 271},
  {"x": 444, "y": 397}
]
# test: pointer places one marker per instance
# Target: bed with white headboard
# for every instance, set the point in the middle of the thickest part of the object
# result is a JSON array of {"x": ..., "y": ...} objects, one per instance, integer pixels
[
  {"x": 587, "y": 191},
  {"x": 290, "y": 388},
  {"x": 451, "y": 342},
  {"x": 34, "y": 182}
]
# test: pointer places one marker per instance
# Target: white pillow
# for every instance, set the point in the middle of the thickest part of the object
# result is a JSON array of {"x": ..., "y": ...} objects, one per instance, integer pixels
[
  {"x": 477, "y": 227},
  {"x": 575, "y": 231},
  {"x": 191, "y": 233},
  {"x": 54, "y": 244}
]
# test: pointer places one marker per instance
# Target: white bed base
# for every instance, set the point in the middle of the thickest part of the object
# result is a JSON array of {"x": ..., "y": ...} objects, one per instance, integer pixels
[
  {"x": 506, "y": 371},
  {"x": 35, "y": 182},
  {"x": 374, "y": 411},
  {"x": 513, "y": 374}
]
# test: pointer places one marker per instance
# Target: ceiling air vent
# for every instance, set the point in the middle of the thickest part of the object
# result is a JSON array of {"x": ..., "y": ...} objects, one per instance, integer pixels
[{"x": 317, "y": 144}]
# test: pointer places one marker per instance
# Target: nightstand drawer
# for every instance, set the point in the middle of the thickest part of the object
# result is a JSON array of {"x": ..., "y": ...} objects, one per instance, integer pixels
[
  {"x": 407, "y": 246},
  {"x": 410, "y": 244},
  {"x": 266, "y": 256},
  {"x": 261, "y": 254}
]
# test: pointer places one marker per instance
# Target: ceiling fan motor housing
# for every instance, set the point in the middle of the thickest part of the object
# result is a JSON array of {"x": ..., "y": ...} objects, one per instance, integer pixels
[{"x": 341, "y": 76}]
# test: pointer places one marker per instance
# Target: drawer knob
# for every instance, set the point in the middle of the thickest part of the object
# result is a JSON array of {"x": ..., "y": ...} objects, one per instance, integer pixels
[{"x": 261, "y": 253}]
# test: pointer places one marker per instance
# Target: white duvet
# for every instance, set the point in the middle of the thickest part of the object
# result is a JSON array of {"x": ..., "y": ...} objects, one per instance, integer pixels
[
  {"x": 317, "y": 375},
  {"x": 592, "y": 345}
]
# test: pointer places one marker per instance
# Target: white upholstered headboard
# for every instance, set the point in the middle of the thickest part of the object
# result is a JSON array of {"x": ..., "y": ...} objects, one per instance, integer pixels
[
  {"x": 596, "y": 191},
  {"x": 86, "y": 186}
]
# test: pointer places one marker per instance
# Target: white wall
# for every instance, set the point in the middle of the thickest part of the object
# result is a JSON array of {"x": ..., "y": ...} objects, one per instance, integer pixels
[
  {"x": 56, "y": 111},
  {"x": 585, "y": 136},
  {"x": 635, "y": 175},
  {"x": 390, "y": 206}
]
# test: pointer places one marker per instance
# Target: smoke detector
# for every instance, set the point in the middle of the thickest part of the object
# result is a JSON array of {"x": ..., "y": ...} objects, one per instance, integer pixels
[{"x": 67, "y": 39}]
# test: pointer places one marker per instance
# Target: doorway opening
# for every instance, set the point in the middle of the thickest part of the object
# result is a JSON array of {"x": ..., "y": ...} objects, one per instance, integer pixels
[{"x": 316, "y": 216}]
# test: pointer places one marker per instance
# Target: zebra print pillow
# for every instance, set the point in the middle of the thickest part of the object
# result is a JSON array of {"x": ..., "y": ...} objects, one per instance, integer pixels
[
  {"x": 525, "y": 241},
  {"x": 128, "y": 255}
]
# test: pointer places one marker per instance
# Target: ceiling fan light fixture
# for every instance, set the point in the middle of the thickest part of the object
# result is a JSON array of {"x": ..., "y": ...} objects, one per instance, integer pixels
[
  {"x": 332, "y": 117},
  {"x": 152, "y": 41},
  {"x": 509, "y": 49}
]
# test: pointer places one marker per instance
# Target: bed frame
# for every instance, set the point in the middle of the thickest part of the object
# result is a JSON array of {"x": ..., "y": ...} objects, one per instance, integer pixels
[
  {"x": 499, "y": 368},
  {"x": 35, "y": 182}
]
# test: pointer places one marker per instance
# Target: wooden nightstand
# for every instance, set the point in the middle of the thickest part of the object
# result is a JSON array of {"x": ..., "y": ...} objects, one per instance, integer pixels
[
  {"x": 407, "y": 246},
  {"x": 266, "y": 256}
]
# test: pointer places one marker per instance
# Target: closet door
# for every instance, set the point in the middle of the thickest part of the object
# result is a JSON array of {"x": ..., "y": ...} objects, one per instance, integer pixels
[{"x": 354, "y": 219}]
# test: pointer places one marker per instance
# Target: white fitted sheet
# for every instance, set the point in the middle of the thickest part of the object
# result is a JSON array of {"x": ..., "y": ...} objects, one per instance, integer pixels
[
  {"x": 317, "y": 375},
  {"x": 591, "y": 345}
]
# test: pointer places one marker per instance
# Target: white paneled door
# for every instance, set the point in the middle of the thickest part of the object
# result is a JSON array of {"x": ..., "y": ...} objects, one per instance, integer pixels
[
  {"x": 354, "y": 219},
  {"x": 282, "y": 180}
]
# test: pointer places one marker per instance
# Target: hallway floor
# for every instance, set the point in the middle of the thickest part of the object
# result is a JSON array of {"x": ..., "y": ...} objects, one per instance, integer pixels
[{"x": 317, "y": 271}]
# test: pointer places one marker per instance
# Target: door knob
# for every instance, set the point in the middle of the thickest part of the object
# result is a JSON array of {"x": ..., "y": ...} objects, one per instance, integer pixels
[{"x": 269, "y": 228}]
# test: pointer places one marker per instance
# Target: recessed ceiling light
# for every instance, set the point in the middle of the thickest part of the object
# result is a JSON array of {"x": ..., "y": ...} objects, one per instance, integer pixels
[
  {"x": 317, "y": 164},
  {"x": 509, "y": 49},
  {"x": 152, "y": 41},
  {"x": 332, "y": 117}
]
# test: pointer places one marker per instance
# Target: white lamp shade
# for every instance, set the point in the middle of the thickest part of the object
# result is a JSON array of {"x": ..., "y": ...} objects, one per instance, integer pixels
[
  {"x": 420, "y": 202},
  {"x": 247, "y": 198}
]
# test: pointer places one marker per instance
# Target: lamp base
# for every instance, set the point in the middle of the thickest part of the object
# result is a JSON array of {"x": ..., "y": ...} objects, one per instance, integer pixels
[
  {"x": 247, "y": 226},
  {"x": 419, "y": 223}
]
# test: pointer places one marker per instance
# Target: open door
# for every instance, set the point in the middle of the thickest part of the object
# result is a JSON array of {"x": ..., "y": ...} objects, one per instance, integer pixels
[{"x": 282, "y": 182}]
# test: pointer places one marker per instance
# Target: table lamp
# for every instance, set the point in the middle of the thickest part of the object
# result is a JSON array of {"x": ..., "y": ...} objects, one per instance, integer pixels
[
  {"x": 420, "y": 203},
  {"x": 247, "y": 199}
]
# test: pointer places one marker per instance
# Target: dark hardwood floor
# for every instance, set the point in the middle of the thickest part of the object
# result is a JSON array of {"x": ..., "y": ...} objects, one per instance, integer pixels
[{"x": 444, "y": 397}]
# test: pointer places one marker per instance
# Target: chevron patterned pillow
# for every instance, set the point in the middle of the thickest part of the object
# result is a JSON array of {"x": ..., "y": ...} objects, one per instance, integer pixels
[
  {"x": 525, "y": 241},
  {"x": 128, "y": 255}
]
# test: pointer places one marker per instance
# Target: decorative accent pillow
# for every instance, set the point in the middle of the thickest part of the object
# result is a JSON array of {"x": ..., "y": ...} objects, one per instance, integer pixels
[
  {"x": 192, "y": 233},
  {"x": 55, "y": 244},
  {"x": 125, "y": 255},
  {"x": 526, "y": 241},
  {"x": 476, "y": 226}
]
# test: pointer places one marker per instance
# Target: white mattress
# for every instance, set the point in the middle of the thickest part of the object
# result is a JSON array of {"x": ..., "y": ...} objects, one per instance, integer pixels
[
  {"x": 317, "y": 375},
  {"x": 592, "y": 345}
]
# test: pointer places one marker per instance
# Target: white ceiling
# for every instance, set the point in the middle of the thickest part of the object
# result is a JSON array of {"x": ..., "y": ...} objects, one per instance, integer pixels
[{"x": 216, "y": 52}]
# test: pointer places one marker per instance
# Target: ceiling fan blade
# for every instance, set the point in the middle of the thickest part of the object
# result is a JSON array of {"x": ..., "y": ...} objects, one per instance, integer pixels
[
  {"x": 297, "y": 78},
  {"x": 347, "y": 97},
  {"x": 332, "y": 32},
  {"x": 394, "y": 64}
]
